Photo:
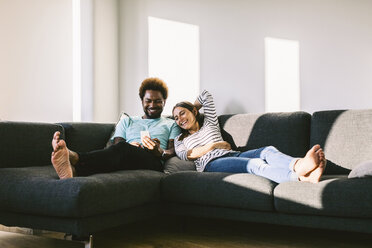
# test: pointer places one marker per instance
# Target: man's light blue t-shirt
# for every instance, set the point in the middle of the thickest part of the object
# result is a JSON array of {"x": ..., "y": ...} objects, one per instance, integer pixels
[{"x": 162, "y": 128}]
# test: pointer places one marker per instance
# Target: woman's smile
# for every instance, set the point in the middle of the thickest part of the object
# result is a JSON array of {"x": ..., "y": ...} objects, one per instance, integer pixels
[{"x": 183, "y": 123}]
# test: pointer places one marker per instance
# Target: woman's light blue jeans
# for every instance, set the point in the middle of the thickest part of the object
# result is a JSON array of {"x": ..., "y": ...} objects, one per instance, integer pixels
[{"x": 267, "y": 162}]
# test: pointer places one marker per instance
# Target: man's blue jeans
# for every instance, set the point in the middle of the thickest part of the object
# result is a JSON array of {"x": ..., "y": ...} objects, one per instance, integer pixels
[{"x": 266, "y": 162}]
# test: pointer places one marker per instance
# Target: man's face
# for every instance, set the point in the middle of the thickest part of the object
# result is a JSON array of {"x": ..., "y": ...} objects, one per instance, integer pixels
[{"x": 153, "y": 104}]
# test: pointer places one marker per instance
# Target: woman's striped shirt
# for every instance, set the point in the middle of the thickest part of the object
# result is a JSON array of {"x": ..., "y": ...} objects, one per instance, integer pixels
[{"x": 209, "y": 133}]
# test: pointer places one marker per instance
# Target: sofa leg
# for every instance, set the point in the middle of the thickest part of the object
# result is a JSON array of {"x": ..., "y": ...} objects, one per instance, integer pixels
[{"x": 89, "y": 243}]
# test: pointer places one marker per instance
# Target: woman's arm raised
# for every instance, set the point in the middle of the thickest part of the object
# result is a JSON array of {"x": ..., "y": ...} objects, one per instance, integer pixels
[
  {"x": 197, "y": 104},
  {"x": 206, "y": 101}
]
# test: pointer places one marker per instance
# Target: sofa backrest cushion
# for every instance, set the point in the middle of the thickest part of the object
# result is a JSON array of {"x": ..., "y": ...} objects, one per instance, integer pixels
[
  {"x": 25, "y": 144},
  {"x": 289, "y": 132},
  {"x": 84, "y": 136},
  {"x": 345, "y": 135}
]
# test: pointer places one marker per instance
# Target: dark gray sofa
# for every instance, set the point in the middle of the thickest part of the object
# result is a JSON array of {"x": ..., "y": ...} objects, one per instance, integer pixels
[{"x": 32, "y": 196}]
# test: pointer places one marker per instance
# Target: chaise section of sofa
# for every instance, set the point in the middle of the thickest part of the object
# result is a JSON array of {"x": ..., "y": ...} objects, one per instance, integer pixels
[
  {"x": 102, "y": 200},
  {"x": 32, "y": 195}
]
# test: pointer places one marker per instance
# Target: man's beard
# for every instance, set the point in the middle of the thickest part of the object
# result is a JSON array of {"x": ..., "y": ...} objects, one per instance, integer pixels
[{"x": 153, "y": 115}]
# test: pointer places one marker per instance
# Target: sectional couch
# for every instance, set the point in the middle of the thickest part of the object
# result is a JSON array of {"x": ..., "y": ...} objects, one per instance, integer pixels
[{"x": 32, "y": 196}]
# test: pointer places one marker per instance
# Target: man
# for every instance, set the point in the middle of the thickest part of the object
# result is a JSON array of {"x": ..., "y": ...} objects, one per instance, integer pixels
[{"x": 129, "y": 151}]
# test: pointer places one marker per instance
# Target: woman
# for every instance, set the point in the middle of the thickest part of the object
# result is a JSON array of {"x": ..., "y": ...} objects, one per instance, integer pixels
[{"x": 201, "y": 142}]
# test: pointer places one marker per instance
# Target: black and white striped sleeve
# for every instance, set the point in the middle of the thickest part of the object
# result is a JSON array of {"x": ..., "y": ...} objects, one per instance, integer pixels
[
  {"x": 180, "y": 148},
  {"x": 210, "y": 113}
]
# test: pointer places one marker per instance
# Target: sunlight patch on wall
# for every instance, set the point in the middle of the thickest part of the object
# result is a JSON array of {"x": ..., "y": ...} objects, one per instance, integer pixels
[
  {"x": 174, "y": 56},
  {"x": 282, "y": 75}
]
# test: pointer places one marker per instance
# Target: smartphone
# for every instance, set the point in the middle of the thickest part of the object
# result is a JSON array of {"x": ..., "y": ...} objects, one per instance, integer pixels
[{"x": 144, "y": 134}]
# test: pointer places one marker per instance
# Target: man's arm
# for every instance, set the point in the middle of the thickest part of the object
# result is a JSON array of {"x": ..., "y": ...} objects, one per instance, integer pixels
[
  {"x": 118, "y": 139},
  {"x": 120, "y": 130},
  {"x": 170, "y": 152}
]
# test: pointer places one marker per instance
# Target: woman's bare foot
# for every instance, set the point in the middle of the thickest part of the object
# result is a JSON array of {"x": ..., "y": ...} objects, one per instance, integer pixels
[
  {"x": 310, "y": 162},
  {"x": 312, "y": 177},
  {"x": 60, "y": 158},
  {"x": 315, "y": 175}
]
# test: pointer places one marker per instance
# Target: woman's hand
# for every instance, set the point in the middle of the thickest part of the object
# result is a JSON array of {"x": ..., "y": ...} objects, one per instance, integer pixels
[
  {"x": 197, "y": 152},
  {"x": 222, "y": 145}
]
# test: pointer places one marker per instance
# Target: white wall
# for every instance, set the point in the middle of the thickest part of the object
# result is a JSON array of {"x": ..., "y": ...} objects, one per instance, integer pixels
[
  {"x": 133, "y": 64},
  {"x": 335, "y": 49},
  {"x": 335, "y": 41},
  {"x": 37, "y": 52},
  {"x": 35, "y": 60},
  {"x": 106, "y": 60}
]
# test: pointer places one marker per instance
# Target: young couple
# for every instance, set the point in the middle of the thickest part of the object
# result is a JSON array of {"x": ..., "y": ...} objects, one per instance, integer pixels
[{"x": 195, "y": 137}]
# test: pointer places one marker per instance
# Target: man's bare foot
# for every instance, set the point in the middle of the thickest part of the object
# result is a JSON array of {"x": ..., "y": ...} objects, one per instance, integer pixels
[
  {"x": 60, "y": 160},
  {"x": 315, "y": 175},
  {"x": 308, "y": 163},
  {"x": 73, "y": 156},
  {"x": 55, "y": 140}
]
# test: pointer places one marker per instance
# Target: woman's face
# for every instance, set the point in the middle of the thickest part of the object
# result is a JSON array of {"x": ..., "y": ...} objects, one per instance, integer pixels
[{"x": 184, "y": 118}]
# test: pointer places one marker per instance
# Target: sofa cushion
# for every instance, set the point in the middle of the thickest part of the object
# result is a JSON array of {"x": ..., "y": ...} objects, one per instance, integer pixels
[
  {"x": 364, "y": 169},
  {"x": 346, "y": 137},
  {"x": 38, "y": 191},
  {"x": 84, "y": 137},
  {"x": 175, "y": 164},
  {"x": 244, "y": 191},
  {"x": 25, "y": 144},
  {"x": 331, "y": 197},
  {"x": 289, "y": 132}
]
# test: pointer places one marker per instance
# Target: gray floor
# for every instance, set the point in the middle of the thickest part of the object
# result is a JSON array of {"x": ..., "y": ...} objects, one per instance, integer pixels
[{"x": 199, "y": 233}]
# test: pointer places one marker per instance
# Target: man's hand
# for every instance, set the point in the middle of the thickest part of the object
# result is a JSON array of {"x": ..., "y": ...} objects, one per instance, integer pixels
[
  {"x": 135, "y": 144},
  {"x": 153, "y": 145},
  {"x": 118, "y": 139}
]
